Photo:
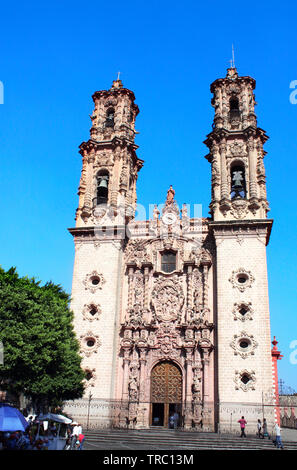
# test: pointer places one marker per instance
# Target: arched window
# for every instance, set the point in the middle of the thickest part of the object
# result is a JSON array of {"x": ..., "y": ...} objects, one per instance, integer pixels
[
  {"x": 109, "y": 122},
  {"x": 238, "y": 183},
  {"x": 168, "y": 261},
  {"x": 234, "y": 108},
  {"x": 102, "y": 187}
]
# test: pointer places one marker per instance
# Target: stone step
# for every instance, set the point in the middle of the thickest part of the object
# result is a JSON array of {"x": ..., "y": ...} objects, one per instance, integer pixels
[{"x": 170, "y": 439}]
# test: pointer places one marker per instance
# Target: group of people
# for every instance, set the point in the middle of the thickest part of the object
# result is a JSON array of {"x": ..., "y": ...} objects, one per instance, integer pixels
[
  {"x": 37, "y": 435},
  {"x": 262, "y": 431},
  {"x": 75, "y": 437}
]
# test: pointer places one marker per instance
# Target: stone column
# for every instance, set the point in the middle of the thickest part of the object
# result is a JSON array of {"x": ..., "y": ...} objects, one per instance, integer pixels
[
  {"x": 89, "y": 186},
  {"x": 130, "y": 286},
  {"x": 189, "y": 292},
  {"x": 125, "y": 391},
  {"x": 252, "y": 167},
  {"x": 225, "y": 190},
  {"x": 188, "y": 391}
]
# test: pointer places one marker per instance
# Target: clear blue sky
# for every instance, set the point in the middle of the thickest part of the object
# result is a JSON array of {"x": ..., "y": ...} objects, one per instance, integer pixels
[{"x": 54, "y": 55}]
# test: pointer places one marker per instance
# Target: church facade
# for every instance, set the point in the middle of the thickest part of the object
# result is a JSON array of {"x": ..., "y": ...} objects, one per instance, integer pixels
[{"x": 172, "y": 312}]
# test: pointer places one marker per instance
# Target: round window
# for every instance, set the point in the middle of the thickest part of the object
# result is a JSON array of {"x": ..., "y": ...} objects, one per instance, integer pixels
[
  {"x": 90, "y": 342},
  {"x": 95, "y": 281},
  {"x": 244, "y": 343}
]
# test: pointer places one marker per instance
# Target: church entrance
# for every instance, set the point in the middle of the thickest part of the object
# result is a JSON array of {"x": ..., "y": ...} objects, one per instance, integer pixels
[{"x": 166, "y": 394}]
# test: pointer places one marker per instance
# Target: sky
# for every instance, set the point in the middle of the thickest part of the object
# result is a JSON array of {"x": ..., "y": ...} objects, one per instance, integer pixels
[{"x": 54, "y": 55}]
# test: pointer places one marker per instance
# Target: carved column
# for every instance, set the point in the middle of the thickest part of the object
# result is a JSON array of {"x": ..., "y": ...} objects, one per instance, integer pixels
[
  {"x": 252, "y": 167},
  {"x": 126, "y": 362},
  {"x": 205, "y": 361},
  {"x": 188, "y": 391},
  {"x": 130, "y": 286},
  {"x": 224, "y": 177},
  {"x": 189, "y": 292},
  {"x": 125, "y": 391},
  {"x": 142, "y": 361},
  {"x": 206, "y": 265},
  {"x": 146, "y": 277},
  {"x": 89, "y": 186}
]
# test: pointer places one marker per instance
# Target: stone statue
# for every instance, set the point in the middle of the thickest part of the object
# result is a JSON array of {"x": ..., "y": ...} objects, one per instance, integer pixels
[{"x": 170, "y": 196}]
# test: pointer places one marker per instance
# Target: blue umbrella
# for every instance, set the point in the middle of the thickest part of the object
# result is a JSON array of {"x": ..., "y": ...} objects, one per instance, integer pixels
[{"x": 11, "y": 419}]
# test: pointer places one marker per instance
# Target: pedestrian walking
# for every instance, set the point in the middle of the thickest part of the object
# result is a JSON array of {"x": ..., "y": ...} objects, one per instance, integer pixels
[
  {"x": 76, "y": 431},
  {"x": 242, "y": 423},
  {"x": 278, "y": 439},
  {"x": 265, "y": 429},
  {"x": 259, "y": 430}
]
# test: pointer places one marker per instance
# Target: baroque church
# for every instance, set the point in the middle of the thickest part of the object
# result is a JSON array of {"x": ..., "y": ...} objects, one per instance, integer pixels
[{"x": 172, "y": 313}]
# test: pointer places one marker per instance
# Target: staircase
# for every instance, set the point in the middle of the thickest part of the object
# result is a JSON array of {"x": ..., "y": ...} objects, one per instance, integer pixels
[{"x": 152, "y": 439}]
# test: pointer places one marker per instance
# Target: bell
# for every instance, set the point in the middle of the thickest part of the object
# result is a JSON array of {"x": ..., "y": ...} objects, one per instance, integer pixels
[{"x": 103, "y": 183}]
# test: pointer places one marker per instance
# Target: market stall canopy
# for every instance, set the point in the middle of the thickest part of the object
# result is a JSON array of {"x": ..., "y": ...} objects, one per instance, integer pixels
[{"x": 54, "y": 417}]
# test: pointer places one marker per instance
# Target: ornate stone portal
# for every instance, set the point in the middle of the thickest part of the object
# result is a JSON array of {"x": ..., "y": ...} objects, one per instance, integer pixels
[{"x": 168, "y": 324}]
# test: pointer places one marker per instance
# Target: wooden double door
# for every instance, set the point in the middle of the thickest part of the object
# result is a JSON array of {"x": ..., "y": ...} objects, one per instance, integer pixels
[{"x": 166, "y": 394}]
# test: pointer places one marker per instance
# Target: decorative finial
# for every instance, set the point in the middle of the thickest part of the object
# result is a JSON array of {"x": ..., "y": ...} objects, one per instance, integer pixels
[{"x": 118, "y": 82}]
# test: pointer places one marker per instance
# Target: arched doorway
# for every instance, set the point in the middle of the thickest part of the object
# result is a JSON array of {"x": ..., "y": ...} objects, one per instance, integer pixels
[{"x": 166, "y": 393}]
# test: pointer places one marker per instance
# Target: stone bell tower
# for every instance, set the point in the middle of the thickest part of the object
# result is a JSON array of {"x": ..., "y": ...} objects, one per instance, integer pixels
[
  {"x": 241, "y": 231},
  {"x": 110, "y": 164},
  {"x": 236, "y": 151},
  {"x": 107, "y": 200}
]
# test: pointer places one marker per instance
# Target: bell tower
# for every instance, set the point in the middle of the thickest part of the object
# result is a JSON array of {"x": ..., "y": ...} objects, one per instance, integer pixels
[
  {"x": 110, "y": 165},
  {"x": 107, "y": 201},
  {"x": 241, "y": 231},
  {"x": 236, "y": 151}
]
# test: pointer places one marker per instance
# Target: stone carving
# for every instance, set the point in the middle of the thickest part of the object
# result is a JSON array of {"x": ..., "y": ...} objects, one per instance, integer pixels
[
  {"x": 135, "y": 252},
  {"x": 167, "y": 299},
  {"x": 243, "y": 311},
  {"x": 241, "y": 279},
  {"x": 239, "y": 208},
  {"x": 237, "y": 148},
  {"x": 196, "y": 387},
  {"x": 245, "y": 380},
  {"x": 170, "y": 196},
  {"x": 135, "y": 315},
  {"x": 244, "y": 345},
  {"x": 94, "y": 282},
  {"x": 89, "y": 343},
  {"x": 167, "y": 342},
  {"x": 91, "y": 312},
  {"x": 90, "y": 377}
]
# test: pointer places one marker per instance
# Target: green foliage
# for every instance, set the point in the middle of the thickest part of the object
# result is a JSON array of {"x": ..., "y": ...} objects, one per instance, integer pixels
[{"x": 41, "y": 357}]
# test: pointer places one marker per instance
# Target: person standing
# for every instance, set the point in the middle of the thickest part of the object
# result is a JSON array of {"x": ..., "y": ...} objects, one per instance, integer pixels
[
  {"x": 175, "y": 419},
  {"x": 265, "y": 429},
  {"x": 278, "y": 439},
  {"x": 242, "y": 423},
  {"x": 259, "y": 429}
]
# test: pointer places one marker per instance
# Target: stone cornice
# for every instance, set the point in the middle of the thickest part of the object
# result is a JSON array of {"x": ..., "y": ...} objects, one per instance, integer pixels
[
  {"x": 242, "y": 228},
  {"x": 223, "y": 81}
]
